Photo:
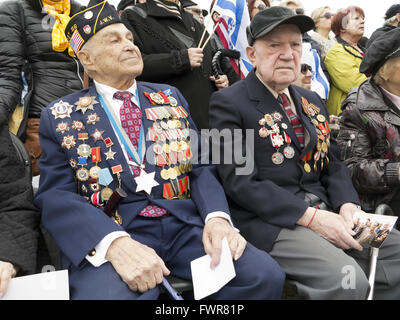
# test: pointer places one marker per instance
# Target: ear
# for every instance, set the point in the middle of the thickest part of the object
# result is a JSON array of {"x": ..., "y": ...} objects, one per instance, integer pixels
[
  {"x": 251, "y": 54},
  {"x": 86, "y": 59}
]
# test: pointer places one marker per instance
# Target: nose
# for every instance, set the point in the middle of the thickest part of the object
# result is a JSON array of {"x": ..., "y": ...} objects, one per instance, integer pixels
[{"x": 287, "y": 52}]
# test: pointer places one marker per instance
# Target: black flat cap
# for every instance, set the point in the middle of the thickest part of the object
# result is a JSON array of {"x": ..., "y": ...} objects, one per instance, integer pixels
[
  {"x": 392, "y": 11},
  {"x": 267, "y": 20},
  {"x": 84, "y": 24},
  {"x": 386, "y": 47},
  {"x": 124, "y": 3}
]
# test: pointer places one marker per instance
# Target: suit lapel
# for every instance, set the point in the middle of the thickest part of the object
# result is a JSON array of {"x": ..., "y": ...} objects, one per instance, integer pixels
[{"x": 266, "y": 103}]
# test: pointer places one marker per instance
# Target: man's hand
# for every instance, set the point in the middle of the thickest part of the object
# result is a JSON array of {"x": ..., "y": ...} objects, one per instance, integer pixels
[
  {"x": 138, "y": 265},
  {"x": 214, "y": 231},
  {"x": 195, "y": 57},
  {"x": 7, "y": 271},
  {"x": 347, "y": 211},
  {"x": 221, "y": 82},
  {"x": 332, "y": 227}
]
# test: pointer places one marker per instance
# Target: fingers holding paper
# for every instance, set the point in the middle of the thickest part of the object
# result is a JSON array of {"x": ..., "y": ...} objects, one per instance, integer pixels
[
  {"x": 215, "y": 230},
  {"x": 7, "y": 271}
]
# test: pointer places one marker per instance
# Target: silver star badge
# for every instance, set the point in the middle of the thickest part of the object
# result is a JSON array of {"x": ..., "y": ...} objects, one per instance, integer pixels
[{"x": 145, "y": 182}]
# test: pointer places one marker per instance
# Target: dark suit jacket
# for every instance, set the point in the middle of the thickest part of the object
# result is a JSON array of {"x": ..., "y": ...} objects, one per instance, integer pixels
[
  {"x": 271, "y": 197},
  {"x": 74, "y": 222}
]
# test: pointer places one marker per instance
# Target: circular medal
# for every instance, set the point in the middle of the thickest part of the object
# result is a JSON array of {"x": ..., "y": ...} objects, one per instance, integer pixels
[
  {"x": 178, "y": 171},
  {"x": 171, "y": 124},
  {"x": 289, "y": 152},
  {"x": 277, "y": 158},
  {"x": 321, "y": 118},
  {"x": 172, "y": 101},
  {"x": 164, "y": 125},
  {"x": 307, "y": 168},
  {"x": 158, "y": 149},
  {"x": 324, "y": 147},
  {"x": 164, "y": 174},
  {"x": 263, "y": 132},
  {"x": 172, "y": 173},
  {"x": 174, "y": 146},
  {"x": 82, "y": 174},
  {"x": 94, "y": 172},
  {"x": 84, "y": 150},
  {"x": 106, "y": 193},
  {"x": 284, "y": 126}
]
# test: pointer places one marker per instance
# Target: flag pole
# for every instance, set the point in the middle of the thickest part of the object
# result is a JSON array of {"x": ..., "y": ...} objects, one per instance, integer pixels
[
  {"x": 209, "y": 37},
  {"x": 206, "y": 26}
]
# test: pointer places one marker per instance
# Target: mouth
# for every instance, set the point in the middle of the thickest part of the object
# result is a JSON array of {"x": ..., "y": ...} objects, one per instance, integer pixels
[{"x": 129, "y": 58}]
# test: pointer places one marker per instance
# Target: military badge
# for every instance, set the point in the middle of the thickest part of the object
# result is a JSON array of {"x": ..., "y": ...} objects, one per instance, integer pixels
[
  {"x": 92, "y": 118},
  {"x": 78, "y": 125},
  {"x": 68, "y": 142},
  {"x": 62, "y": 127},
  {"x": 85, "y": 103},
  {"x": 97, "y": 135},
  {"x": 110, "y": 154},
  {"x": 61, "y": 110}
]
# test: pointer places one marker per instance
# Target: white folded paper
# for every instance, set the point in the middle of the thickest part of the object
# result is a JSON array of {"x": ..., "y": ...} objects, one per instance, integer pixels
[
  {"x": 207, "y": 281},
  {"x": 42, "y": 286}
]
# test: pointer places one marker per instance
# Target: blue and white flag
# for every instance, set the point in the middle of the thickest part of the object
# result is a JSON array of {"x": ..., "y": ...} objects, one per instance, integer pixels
[{"x": 234, "y": 18}]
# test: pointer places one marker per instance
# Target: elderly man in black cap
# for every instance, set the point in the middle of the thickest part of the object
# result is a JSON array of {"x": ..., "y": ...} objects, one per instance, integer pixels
[
  {"x": 118, "y": 189},
  {"x": 298, "y": 201},
  {"x": 370, "y": 126},
  {"x": 392, "y": 20}
]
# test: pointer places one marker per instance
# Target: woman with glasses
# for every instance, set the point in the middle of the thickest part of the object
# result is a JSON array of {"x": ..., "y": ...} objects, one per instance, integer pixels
[
  {"x": 322, "y": 18},
  {"x": 344, "y": 59},
  {"x": 255, "y": 6}
]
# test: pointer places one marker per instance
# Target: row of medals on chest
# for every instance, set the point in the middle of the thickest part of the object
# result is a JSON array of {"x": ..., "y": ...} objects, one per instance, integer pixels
[
  {"x": 270, "y": 128},
  {"x": 176, "y": 154}
]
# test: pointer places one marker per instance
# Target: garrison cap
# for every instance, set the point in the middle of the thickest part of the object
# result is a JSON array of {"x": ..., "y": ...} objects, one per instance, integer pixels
[{"x": 83, "y": 25}]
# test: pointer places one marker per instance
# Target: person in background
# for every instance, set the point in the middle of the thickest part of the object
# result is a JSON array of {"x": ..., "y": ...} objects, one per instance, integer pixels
[
  {"x": 323, "y": 20},
  {"x": 295, "y": 6},
  {"x": 392, "y": 20},
  {"x": 171, "y": 52},
  {"x": 195, "y": 10},
  {"x": 19, "y": 219},
  {"x": 32, "y": 35},
  {"x": 369, "y": 133},
  {"x": 305, "y": 74},
  {"x": 255, "y": 6},
  {"x": 344, "y": 59},
  {"x": 123, "y": 4}
]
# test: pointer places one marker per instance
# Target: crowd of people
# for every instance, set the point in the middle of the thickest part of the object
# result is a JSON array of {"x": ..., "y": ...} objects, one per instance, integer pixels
[{"x": 91, "y": 90}]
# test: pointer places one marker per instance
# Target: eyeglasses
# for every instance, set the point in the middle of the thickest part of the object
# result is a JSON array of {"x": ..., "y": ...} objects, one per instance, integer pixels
[
  {"x": 299, "y": 11},
  {"x": 261, "y": 7},
  {"x": 327, "y": 15},
  {"x": 304, "y": 68}
]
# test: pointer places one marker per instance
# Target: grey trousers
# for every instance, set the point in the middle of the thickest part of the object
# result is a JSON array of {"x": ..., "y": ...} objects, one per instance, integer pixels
[{"x": 322, "y": 271}]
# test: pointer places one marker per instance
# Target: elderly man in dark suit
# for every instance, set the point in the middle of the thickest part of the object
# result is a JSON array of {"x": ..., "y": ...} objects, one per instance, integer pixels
[
  {"x": 117, "y": 177},
  {"x": 298, "y": 201}
]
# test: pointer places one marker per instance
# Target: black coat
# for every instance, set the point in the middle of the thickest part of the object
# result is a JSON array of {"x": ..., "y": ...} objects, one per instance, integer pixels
[
  {"x": 271, "y": 197},
  {"x": 166, "y": 58},
  {"x": 26, "y": 37},
  {"x": 19, "y": 219}
]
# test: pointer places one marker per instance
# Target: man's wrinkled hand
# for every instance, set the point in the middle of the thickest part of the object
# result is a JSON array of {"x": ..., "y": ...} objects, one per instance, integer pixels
[
  {"x": 138, "y": 265},
  {"x": 214, "y": 231}
]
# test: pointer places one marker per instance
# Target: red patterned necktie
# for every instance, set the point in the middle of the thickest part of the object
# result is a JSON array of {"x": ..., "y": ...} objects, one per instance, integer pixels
[
  {"x": 294, "y": 120},
  {"x": 131, "y": 119}
]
